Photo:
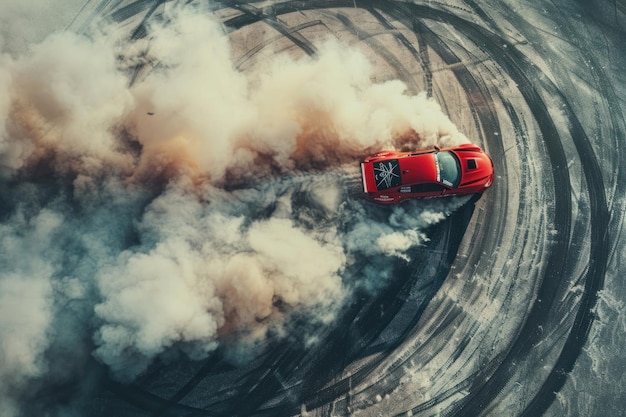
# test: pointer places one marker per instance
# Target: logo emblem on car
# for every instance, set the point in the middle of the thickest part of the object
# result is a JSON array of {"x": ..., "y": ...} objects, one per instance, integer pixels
[{"x": 387, "y": 174}]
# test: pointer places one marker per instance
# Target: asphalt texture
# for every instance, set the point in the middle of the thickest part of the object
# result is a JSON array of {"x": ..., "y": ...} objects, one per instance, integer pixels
[{"x": 491, "y": 315}]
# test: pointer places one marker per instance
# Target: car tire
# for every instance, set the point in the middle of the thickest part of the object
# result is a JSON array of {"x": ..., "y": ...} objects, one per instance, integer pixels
[{"x": 475, "y": 197}]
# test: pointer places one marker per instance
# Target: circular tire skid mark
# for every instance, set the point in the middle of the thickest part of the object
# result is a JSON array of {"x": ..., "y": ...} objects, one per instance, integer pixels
[{"x": 491, "y": 314}]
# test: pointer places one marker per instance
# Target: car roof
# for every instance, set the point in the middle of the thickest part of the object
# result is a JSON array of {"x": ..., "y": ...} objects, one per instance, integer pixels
[{"x": 418, "y": 168}]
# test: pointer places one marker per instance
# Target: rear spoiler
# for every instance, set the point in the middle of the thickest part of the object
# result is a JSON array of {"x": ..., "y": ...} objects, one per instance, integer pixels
[{"x": 363, "y": 177}]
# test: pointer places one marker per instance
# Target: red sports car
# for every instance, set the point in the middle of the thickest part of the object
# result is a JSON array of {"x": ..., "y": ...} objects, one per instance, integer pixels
[{"x": 391, "y": 177}]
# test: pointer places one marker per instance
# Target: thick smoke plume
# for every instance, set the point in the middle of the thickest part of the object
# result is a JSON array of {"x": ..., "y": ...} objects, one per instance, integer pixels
[
  {"x": 295, "y": 114},
  {"x": 195, "y": 205}
]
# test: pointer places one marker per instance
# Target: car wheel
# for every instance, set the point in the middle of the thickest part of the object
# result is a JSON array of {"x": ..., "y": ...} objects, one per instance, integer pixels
[{"x": 475, "y": 197}]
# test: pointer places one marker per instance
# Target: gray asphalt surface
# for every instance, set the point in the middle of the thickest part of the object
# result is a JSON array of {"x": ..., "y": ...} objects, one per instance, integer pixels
[{"x": 513, "y": 306}]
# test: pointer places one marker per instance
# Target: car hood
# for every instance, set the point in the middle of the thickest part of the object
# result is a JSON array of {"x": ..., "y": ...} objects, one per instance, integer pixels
[{"x": 475, "y": 166}]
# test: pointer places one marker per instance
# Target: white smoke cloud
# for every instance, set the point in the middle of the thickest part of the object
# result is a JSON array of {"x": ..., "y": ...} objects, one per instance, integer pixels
[
  {"x": 296, "y": 113},
  {"x": 64, "y": 100},
  {"x": 202, "y": 270},
  {"x": 198, "y": 205},
  {"x": 7, "y": 147},
  {"x": 199, "y": 101},
  {"x": 25, "y": 22},
  {"x": 25, "y": 300}
]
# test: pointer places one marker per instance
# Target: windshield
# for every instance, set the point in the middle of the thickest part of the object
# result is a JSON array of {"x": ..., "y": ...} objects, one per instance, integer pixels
[{"x": 449, "y": 168}]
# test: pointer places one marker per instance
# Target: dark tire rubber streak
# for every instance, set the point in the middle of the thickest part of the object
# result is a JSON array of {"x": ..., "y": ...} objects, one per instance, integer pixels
[
  {"x": 273, "y": 21},
  {"x": 249, "y": 54}
]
